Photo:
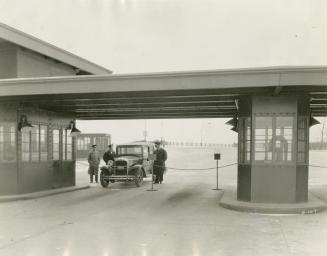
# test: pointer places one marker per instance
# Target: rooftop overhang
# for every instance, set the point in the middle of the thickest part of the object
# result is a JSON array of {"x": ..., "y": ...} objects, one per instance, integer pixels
[
  {"x": 196, "y": 94},
  {"x": 26, "y": 41}
]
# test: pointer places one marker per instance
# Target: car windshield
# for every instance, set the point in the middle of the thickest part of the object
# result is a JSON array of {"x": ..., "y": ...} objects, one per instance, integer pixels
[{"x": 129, "y": 150}]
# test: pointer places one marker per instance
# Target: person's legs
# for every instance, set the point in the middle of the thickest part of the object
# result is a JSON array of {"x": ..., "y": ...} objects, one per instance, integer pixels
[
  {"x": 96, "y": 171},
  {"x": 156, "y": 173},
  {"x": 161, "y": 175},
  {"x": 91, "y": 178}
]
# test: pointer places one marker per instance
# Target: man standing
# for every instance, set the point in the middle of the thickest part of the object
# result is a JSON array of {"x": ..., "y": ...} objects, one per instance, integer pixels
[
  {"x": 94, "y": 161},
  {"x": 159, "y": 164},
  {"x": 109, "y": 155}
]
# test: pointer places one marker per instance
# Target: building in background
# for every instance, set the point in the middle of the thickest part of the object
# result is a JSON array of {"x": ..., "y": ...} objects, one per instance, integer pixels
[{"x": 86, "y": 140}]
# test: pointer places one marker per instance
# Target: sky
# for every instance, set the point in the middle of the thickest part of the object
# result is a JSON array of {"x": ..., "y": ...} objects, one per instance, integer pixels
[
  {"x": 141, "y": 36},
  {"x": 187, "y": 130}
]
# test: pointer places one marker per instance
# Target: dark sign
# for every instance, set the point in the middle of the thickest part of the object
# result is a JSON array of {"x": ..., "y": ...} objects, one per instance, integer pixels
[{"x": 217, "y": 156}]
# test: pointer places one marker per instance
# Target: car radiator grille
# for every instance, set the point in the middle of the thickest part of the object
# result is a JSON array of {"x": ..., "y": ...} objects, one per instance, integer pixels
[
  {"x": 121, "y": 172},
  {"x": 121, "y": 168}
]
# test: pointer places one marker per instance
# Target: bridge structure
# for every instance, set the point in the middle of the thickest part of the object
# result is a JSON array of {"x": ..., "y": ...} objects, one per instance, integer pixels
[{"x": 271, "y": 108}]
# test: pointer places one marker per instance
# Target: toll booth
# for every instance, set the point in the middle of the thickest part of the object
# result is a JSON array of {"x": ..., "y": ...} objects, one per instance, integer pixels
[
  {"x": 273, "y": 150},
  {"x": 39, "y": 159},
  {"x": 42, "y": 157},
  {"x": 86, "y": 140}
]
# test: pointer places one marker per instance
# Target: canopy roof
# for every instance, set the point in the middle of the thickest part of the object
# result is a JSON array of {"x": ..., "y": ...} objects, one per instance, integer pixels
[
  {"x": 22, "y": 39},
  {"x": 193, "y": 94}
]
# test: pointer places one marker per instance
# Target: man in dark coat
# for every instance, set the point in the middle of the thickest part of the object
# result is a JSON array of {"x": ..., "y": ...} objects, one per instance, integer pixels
[
  {"x": 109, "y": 155},
  {"x": 94, "y": 161},
  {"x": 159, "y": 164}
]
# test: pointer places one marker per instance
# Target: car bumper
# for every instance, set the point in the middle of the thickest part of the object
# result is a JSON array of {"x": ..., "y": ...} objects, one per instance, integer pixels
[{"x": 120, "y": 177}]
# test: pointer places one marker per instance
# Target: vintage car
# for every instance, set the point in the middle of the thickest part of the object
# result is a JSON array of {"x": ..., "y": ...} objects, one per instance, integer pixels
[{"x": 132, "y": 163}]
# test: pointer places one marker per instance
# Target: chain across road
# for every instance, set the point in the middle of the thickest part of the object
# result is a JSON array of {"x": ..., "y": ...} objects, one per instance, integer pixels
[{"x": 213, "y": 168}]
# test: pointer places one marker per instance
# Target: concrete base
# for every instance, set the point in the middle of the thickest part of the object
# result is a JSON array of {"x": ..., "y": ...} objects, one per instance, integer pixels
[
  {"x": 314, "y": 205},
  {"x": 42, "y": 193}
]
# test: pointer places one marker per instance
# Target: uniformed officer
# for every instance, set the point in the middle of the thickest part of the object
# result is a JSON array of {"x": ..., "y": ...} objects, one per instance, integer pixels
[
  {"x": 94, "y": 161},
  {"x": 159, "y": 164},
  {"x": 109, "y": 155}
]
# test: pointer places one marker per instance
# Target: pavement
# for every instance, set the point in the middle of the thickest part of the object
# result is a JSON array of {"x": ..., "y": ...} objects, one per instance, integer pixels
[
  {"x": 44, "y": 193},
  {"x": 313, "y": 205},
  {"x": 182, "y": 218}
]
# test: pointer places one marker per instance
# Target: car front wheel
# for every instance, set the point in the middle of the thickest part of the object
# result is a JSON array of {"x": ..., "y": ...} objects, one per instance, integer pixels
[{"x": 103, "y": 178}]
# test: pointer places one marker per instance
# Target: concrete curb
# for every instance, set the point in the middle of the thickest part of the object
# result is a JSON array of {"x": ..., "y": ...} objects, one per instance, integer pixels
[
  {"x": 314, "y": 205},
  {"x": 42, "y": 193}
]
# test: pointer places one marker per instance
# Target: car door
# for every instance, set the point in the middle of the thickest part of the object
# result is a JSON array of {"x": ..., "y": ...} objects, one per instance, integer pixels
[{"x": 146, "y": 161}]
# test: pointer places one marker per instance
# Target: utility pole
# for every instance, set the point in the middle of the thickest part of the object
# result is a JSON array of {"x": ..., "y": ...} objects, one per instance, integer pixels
[{"x": 145, "y": 132}]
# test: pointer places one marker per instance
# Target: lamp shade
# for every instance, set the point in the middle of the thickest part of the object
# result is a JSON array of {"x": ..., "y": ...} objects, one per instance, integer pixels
[
  {"x": 75, "y": 132},
  {"x": 313, "y": 121},
  {"x": 232, "y": 122},
  {"x": 27, "y": 128},
  {"x": 24, "y": 125},
  {"x": 235, "y": 129}
]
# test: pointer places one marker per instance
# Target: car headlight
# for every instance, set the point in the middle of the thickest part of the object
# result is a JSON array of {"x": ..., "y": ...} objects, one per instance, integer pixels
[{"x": 110, "y": 163}]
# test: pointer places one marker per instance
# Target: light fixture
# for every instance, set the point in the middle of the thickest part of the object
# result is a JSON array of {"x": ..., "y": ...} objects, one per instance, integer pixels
[
  {"x": 74, "y": 131},
  {"x": 234, "y": 129},
  {"x": 233, "y": 122},
  {"x": 313, "y": 121},
  {"x": 24, "y": 125}
]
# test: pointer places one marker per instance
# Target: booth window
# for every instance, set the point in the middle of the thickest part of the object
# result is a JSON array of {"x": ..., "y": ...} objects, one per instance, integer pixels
[
  {"x": 43, "y": 142},
  {"x": 35, "y": 144},
  {"x": 302, "y": 140},
  {"x": 26, "y": 146},
  {"x": 55, "y": 144},
  {"x": 283, "y": 139},
  {"x": 64, "y": 143},
  {"x": 263, "y": 139},
  {"x": 7, "y": 142},
  {"x": 245, "y": 140},
  {"x": 67, "y": 145},
  {"x": 69, "y": 148},
  {"x": 273, "y": 139}
]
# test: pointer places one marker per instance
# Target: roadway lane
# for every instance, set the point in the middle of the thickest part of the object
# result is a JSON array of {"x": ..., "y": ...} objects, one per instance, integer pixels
[{"x": 181, "y": 218}]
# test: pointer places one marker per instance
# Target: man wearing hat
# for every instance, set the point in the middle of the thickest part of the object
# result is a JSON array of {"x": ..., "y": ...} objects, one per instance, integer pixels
[
  {"x": 94, "y": 161},
  {"x": 159, "y": 164},
  {"x": 109, "y": 155}
]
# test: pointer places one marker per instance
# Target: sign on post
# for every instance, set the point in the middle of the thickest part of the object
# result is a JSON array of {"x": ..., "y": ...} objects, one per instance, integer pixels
[{"x": 217, "y": 157}]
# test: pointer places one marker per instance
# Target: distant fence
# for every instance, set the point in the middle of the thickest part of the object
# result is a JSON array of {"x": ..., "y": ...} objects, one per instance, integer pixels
[
  {"x": 317, "y": 146},
  {"x": 197, "y": 144},
  {"x": 312, "y": 145}
]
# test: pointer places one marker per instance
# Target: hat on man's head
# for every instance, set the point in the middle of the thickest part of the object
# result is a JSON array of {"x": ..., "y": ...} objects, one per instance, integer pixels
[
  {"x": 157, "y": 142},
  {"x": 94, "y": 145},
  {"x": 110, "y": 146}
]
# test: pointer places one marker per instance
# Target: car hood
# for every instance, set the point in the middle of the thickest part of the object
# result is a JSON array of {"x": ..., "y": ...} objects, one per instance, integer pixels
[{"x": 131, "y": 160}]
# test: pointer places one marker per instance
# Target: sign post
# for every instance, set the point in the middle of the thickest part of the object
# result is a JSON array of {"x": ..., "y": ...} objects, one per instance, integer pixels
[
  {"x": 217, "y": 157},
  {"x": 152, "y": 157}
]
